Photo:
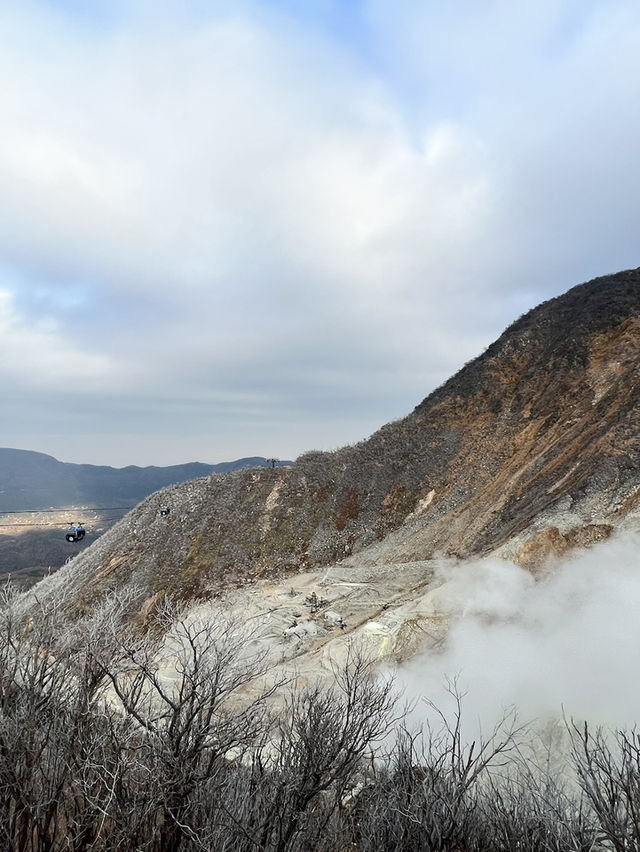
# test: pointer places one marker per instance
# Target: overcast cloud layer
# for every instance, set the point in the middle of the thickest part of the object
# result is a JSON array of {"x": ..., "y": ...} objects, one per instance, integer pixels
[{"x": 263, "y": 227}]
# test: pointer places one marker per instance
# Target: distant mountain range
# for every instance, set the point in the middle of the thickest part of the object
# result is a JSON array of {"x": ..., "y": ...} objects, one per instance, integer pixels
[{"x": 31, "y": 480}]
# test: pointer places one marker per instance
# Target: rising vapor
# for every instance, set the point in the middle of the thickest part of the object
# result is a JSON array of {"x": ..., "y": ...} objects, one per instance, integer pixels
[{"x": 567, "y": 643}]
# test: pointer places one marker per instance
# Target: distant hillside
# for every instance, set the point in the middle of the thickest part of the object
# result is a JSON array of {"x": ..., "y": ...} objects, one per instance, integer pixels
[
  {"x": 36, "y": 483},
  {"x": 30, "y": 480}
]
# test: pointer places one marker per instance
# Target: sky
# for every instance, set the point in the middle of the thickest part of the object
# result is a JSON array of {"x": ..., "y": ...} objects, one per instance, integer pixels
[{"x": 263, "y": 227}]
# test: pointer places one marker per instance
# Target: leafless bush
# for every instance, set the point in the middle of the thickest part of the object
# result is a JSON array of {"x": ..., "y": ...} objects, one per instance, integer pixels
[
  {"x": 48, "y": 707},
  {"x": 607, "y": 767},
  {"x": 190, "y": 722},
  {"x": 427, "y": 795},
  {"x": 531, "y": 813},
  {"x": 107, "y": 745},
  {"x": 314, "y": 755}
]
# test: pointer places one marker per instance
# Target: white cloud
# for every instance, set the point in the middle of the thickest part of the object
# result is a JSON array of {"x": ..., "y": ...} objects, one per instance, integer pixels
[
  {"x": 35, "y": 355},
  {"x": 237, "y": 193}
]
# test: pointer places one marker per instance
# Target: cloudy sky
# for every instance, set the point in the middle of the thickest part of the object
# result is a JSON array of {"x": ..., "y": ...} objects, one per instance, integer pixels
[{"x": 238, "y": 228}]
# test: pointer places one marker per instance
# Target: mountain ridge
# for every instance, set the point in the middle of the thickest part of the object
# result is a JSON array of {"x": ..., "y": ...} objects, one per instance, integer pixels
[
  {"x": 530, "y": 449},
  {"x": 34, "y": 477}
]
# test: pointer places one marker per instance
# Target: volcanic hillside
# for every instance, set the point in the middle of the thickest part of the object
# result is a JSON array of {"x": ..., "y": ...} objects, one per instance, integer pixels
[{"x": 529, "y": 450}]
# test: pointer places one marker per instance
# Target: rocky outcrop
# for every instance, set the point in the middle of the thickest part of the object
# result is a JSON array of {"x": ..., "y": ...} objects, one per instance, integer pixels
[{"x": 531, "y": 449}]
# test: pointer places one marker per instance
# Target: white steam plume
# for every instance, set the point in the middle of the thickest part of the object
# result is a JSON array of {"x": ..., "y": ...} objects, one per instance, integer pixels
[{"x": 567, "y": 643}]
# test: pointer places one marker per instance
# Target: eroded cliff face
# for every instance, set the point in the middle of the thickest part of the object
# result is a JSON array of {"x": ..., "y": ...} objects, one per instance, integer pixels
[{"x": 531, "y": 449}]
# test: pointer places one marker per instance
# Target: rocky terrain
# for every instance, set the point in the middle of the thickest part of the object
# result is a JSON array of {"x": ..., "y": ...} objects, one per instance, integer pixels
[{"x": 530, "y": 451}]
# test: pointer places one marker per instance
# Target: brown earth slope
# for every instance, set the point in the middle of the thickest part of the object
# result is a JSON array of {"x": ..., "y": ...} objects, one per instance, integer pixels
[{"x": 531, "y": 448}]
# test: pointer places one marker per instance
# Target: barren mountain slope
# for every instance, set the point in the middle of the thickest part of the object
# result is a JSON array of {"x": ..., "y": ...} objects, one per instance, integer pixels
[{"x": 532, "y": 447}]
